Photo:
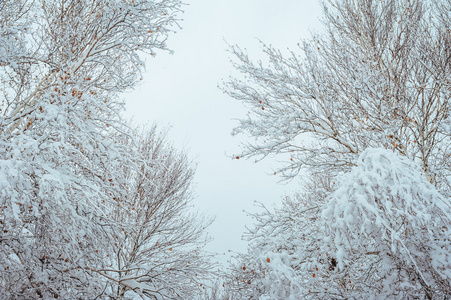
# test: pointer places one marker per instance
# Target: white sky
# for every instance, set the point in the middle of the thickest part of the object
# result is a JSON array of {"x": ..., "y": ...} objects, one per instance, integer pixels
[{"x": 181, "y": 90}]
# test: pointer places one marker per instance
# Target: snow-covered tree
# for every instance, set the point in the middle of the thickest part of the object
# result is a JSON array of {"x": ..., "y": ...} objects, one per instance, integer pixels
[
  {"x": 384, "y": 232},
  {"x": 280, "y": 242},
  {"x": 378, "y": 77},
  {"x": 389, "y": 231},
  {"x": 158, "y": 248},
  {"x": 68, "y": 159},
  {"x": 373, "y": 223}
]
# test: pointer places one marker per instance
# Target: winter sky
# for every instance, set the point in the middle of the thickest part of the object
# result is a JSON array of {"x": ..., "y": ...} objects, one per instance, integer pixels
[{"x": 181, "y": 91}]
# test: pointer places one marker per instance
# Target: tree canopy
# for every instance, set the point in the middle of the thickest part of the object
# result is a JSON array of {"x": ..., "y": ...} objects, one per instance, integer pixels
[
  {"x": 89, "y": 206},
  {"x": 362, "y": 112}
]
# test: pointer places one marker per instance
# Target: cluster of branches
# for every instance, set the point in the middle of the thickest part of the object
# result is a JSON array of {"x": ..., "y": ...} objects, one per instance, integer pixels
[
  {"x": 384, "y": 232},
  {"x": 364, "y": 110},
  {"x": 378, "y": 77},
  {"x": 89, "y": 207}
]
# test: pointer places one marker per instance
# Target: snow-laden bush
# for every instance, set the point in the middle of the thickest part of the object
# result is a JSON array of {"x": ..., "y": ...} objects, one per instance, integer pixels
[
  {"x": 389, "y": 230},
  {"x": 383, "y": 232}
]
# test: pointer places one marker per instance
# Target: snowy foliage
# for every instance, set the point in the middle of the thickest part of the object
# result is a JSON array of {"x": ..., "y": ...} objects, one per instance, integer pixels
[
  {"x": 378, "y": 77},
  {"x": 384, "y": 232},
  {"x": 389, "y": 229},
  {"x": 363, "y": 109},
  {"x": 79, "y": 190},
  {"x": 159, "y": 244},
  {"x": 279, "y": 245}
]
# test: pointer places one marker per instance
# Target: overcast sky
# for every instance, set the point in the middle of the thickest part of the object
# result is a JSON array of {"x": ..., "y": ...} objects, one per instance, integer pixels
[{"x": 181, "y": 90}]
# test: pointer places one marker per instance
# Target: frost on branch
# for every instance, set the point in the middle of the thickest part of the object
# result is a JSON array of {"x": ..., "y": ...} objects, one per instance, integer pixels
[
  {"x": 160, "y": 239},
  {"x": 12, "y": 31},
  {"x": 377, "y": 77},
  {"x": 283, "y": 249}
]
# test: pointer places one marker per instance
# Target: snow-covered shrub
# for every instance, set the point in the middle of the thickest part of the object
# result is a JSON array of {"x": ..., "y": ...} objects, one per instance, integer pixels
[
  {"x": 382, "y": 232},
  {"x": 389, "y": 230}
]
